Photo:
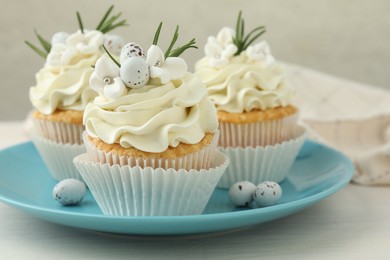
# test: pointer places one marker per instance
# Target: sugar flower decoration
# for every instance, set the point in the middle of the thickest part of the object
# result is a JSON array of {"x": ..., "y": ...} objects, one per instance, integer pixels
[
  {"x": 165, "y": 69},
  {"x": 86, "y": 43},
  {"x": 261, "y": 53},
  {"x": 83, "y": 41},
  {"x": 60, "y": 54},
  {"x": 106, "y": 79},
  {"x": 221, "y": 48}
]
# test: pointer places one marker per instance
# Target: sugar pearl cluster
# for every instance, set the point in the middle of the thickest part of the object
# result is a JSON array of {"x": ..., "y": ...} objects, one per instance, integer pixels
[{"x": 247, "y": 194}]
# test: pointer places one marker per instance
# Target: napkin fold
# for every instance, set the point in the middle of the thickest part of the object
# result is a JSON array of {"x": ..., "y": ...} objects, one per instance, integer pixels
[{"x": 351, "y": 117}]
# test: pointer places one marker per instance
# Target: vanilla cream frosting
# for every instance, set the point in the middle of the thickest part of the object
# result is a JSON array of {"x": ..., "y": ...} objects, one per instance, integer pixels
[
  {"x": 155, "y": 116},
  {"x": 63, "y": 82},
  {"x": 244, "y": 84},
  {"x": 64, "y": 87}
]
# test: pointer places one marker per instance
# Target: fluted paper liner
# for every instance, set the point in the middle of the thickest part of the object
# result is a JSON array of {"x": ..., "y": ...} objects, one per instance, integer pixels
[
  {"x": 135, "y": 191},
  {"x": 58, "y": 157},
  {"x": 269, "y": 163},
  {"x": 58, "y": 131},
  {"x": 257, "y": 134},
  {"x": 197, "y": 160}
]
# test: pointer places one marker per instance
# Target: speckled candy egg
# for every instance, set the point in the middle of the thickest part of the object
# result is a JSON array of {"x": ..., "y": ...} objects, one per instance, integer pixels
[
  {"x": 59, "y": 37},
  {"x": 267, "y": 193},
  {"x": 69, "y": 192},
  {"x": 131, "y": 49},
  {"x": 134, "y": 72},
  {"x": 114, "y": 43},
  {"x": 241, "y": 193}
]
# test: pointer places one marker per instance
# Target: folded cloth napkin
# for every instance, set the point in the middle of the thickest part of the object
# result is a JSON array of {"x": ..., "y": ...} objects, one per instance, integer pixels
[{"x": 351, "y": 117}]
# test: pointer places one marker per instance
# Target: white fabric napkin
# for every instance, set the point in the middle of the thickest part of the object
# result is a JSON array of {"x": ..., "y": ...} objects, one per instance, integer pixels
[{"x": 351, "y": 117}]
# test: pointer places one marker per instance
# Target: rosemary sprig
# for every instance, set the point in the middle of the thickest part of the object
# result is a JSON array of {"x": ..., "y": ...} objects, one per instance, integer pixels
[
  {"x": 106, "y": 24},
  {"x": 173, "y": 41},
  {"x": 41, "y": 53},
  {"x": 46, "y": 46},
  {"x": 111, "y": 57},
  {"x": 178, "y": 50},
  {"x": 110, "y": 23},
  {"x": 80, "y": 22},
  {"x": 240, "y": 40},
  {"x": 157, "y": 34},
  {"x": 104, "y": 17}
]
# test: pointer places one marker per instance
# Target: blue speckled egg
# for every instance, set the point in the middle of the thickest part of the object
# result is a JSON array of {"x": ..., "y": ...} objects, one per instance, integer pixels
[{"x": 69, "y": 192}]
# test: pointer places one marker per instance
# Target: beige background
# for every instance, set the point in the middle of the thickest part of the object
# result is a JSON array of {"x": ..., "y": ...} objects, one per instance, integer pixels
[{"x": 346, "y": 38}]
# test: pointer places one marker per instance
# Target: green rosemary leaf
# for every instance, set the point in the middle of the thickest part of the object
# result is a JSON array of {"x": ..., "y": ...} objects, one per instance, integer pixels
[
  {"x": 178, "y": 51},
  {"x": 109, "y": 55},
  {"x": 174, "y": 39},
  {"x": 113, "y": 26},
  {"x": 104, "y": 17},
  {"x": 252, "y": 32},
  {"x": 157, "y": 34},
  {"x": 80, "y": 22},
  {"x": 45, "y": 44},
  {"x": 107, "y": 24},
  {"x": 93, "y": 66},
  {"x": 240, "y": 40},
  {"x": 253, "y": 39},
  {"x": 238, "y": 26},
  {"x": 242, "y": 30},
  {"x": 36, "y": 49}
]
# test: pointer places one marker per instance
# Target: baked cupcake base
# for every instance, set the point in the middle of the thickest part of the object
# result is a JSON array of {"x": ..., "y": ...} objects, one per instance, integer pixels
[
  {"x": 258, "y": 164},
  {"x": 257, "y": 128},
  {"x": 185, "y": 156},
  {"x": 58, "y": 157},
  {"x": 61, "y": 126},
  {"x": 136, "y": 191}
]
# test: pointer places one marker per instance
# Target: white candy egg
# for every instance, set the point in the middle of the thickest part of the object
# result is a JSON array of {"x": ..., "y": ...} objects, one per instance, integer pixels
[
  {"x": 134, "y": 72},
  {"x": 114, "y": 43},
  {"x": 59, "y": 37},
  {"x": 241, "y": 193},
  {"x": 69, "y": 192},
  {"x": 267, "y": 193},
  {"x": 131, "y": 49}
]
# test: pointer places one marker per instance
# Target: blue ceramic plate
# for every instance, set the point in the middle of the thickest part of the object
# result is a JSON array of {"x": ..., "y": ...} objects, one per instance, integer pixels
[{"x": 25, "y": 184}]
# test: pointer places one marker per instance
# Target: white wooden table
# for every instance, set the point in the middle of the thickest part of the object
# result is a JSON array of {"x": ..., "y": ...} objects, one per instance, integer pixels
[{"x": 354, "y": 223}]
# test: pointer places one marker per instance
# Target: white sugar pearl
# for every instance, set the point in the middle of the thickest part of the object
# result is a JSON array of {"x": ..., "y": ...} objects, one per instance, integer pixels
[
  {"x": 267, "y": 193},
  {"x": 134, "y": 72},
  {"x": 59, "y": 37},
  {"x": 241, "y": 193},
  {"x": 114, "y": 43},
  {"x": 69, "y": 192},
  {"x": 131, "y": 49}
]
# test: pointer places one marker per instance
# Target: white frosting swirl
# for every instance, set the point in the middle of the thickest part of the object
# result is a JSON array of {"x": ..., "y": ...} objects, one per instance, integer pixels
[
  {"x": 153, "y": 117},
  {"x": 64, "y": 87},
  {"x": 244, "y": 84},
  {"x": 63, "y": 83}
]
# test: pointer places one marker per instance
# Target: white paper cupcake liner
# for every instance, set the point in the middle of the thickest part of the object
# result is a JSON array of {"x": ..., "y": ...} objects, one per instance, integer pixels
[
  {"x": 197, "y": 160},
  {"x": 257, "y": 134},
  {"x": 58, "y": 131},
  {"x": 58, "y": 157},
  {"x": 135, "y": 191},
  {"x": 269, "y": 163}
]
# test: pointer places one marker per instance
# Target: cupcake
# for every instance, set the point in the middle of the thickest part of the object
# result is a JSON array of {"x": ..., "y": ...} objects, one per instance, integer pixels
[
  {"x": 257, "y": 120},
  {"x": 62, "y": 92},
  {"x": 151, "y": 135}
]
